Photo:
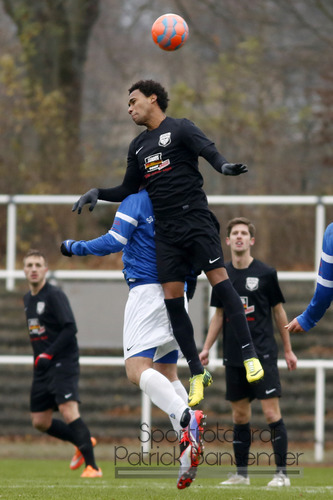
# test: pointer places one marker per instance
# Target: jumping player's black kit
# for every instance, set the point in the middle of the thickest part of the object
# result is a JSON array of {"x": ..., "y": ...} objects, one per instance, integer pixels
[
  {"x": 52, "y": 330},
  {"x": 166, "y": 161},
  {"x": 259, "y": 290}
]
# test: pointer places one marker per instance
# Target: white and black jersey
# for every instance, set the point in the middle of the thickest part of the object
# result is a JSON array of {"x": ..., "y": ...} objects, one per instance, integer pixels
[
  {"x": 259, "y": 290},
  {"x": 51, "y": 324}
]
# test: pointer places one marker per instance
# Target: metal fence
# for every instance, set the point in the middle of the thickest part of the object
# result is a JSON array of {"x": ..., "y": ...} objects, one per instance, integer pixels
[
  {"x": 319, "y": 366},
  {"x": 10, "y": 274}
]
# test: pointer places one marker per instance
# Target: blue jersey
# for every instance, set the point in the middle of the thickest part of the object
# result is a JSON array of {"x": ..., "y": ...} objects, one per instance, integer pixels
[
  {"x": 323, "y": 295},
  {"x": 133, "y": 233}
]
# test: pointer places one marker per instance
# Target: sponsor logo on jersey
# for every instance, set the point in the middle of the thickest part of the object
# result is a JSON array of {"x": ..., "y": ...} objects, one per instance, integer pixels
[
  {"x": 150, "y": 219},
  {"x": 40, "y": 307},
  {"x": 248, "y": 309},
  {"x": 34, "y": 327},
  {"x": 154, "y": 164},
  {"x": 165, "y": 139},
  {"x": 252, "y": 284}
]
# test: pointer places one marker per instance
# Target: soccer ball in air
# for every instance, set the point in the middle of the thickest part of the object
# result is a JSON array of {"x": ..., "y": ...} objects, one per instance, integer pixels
[{"x": 170, "y": 31}]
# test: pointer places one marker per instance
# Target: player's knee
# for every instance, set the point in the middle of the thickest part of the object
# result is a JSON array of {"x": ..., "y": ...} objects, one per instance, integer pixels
[
  {"x": 40, "y": 425},
  {"x": 272, "y": 416},
  {"x": 132, "y": 375},
  {"x": 69, "y": 411},
  {"x": 241, "y": 416}
]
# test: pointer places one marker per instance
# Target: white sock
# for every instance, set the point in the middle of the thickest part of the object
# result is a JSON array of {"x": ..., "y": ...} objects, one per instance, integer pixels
[
  {"x": 180, "y": 390},
  {"x": 162, "y": 394}
]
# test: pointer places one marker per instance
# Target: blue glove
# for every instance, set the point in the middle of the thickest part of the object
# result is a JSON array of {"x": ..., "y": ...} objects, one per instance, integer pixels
[
  {"x": 65, "y": 248},
  {"x": 90, "y": 196},
  {"x": 233, "y": 169}
]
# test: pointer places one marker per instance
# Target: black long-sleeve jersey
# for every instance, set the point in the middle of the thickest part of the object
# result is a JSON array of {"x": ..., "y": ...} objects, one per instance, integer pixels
[
  {"x": 166, "y": 161},
  {"x": 259, "y": 290},
  {"x": 51, "y": 324}
]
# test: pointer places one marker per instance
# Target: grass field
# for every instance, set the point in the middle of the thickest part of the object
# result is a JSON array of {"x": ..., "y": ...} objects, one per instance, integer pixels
[
  {"x": 38, "y": 468},
  {"x": 52, "y": 480}
]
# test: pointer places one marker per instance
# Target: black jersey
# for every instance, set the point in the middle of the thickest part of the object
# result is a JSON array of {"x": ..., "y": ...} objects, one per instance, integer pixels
[
  {"x": 259, "y": 290},
  {"x": 51, "y": 324},
  {"x": 167, "y": 159}
]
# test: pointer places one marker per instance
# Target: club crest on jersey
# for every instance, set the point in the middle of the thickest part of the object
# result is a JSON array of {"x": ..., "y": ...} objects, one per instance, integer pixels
[
  {"x": 252, "y": 284},
  {"x": 40, "y": 307},
  {"x": 165, "y": 139}
]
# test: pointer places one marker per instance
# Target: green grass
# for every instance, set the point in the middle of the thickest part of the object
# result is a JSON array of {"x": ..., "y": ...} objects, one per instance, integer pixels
[{"x": 52, "y": 480}]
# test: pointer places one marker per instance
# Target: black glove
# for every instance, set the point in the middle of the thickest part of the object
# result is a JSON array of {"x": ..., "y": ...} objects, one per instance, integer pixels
[
  {"x": 66, "y": 248},
  {"x": 90, "y": 196},
  {"x": 43, "y": 361},
  {"x": 233, "y": 168}
]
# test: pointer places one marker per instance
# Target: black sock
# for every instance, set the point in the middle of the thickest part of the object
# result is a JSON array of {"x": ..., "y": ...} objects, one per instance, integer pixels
[
  {"x": 234, "y": 311},
  {"x": 183, "y": 332},
  {"x": 241, "y": 445},
  {"x": 279, "y": 439},
  {"x": 83, "y": 441},
  {"x": 60, "y": 430}
]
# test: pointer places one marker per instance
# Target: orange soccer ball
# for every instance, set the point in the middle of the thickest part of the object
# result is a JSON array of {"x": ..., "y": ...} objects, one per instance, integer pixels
[{"x": 170, "y": 31}]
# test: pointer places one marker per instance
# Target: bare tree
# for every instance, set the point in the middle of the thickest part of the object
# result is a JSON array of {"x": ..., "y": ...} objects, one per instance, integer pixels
[{"x": 54, "y": 38}]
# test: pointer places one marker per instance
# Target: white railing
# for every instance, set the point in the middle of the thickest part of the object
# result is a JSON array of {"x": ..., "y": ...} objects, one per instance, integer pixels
[
  {"x": 10, "y": 274},
  {"x": 320, "y": 367}
]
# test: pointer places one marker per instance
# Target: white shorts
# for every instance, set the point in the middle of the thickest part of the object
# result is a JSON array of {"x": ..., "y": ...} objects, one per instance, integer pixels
[{"x": 146, "y": 322}]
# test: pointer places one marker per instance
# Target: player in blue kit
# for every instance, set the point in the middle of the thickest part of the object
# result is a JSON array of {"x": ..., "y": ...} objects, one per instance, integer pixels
[
  {"x": 150, "y": 349},
  {"x": 165, "y": 157},
  {"x": 323, "y": 295},
  {"x": 52, "y": 332}
]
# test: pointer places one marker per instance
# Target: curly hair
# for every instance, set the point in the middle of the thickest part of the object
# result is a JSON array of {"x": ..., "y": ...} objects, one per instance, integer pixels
[{"x": 149, "y": 87}]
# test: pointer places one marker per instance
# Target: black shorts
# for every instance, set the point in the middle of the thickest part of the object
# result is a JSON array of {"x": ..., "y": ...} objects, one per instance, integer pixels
[
  {"x": 237, "y": 387},
  {"x": 190, "y": 242},
  {"x": 56, "y": 386}
]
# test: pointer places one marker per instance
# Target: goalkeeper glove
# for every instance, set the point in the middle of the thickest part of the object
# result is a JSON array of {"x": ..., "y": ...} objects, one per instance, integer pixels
[
  {"x": 43, "y": 361},
  {"x": 90, "y": 196},
  {"x": 65, "y": 248},
  {"x": 233, "y": 168}
]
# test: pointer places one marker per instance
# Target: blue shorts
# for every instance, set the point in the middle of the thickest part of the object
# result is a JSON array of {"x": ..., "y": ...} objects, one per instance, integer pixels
[{"x": 170, "y": 358}]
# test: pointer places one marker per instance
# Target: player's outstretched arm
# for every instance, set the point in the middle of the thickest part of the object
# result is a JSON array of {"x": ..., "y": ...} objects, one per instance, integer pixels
[
  {"x": 90, "y": 196},
  {"x": 221, "y": 164},
  {"x": 233, "y": 168},
  {"x": 66, "y": 248},
  {"x": 130, "y": 185}
]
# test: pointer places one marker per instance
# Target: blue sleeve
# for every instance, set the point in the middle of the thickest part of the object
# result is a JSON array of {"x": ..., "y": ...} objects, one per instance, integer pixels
[
  {"x": 125, "y": 222},
  {"x": 104, "y": 245},
  {"x": 323, "y": 295}
]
